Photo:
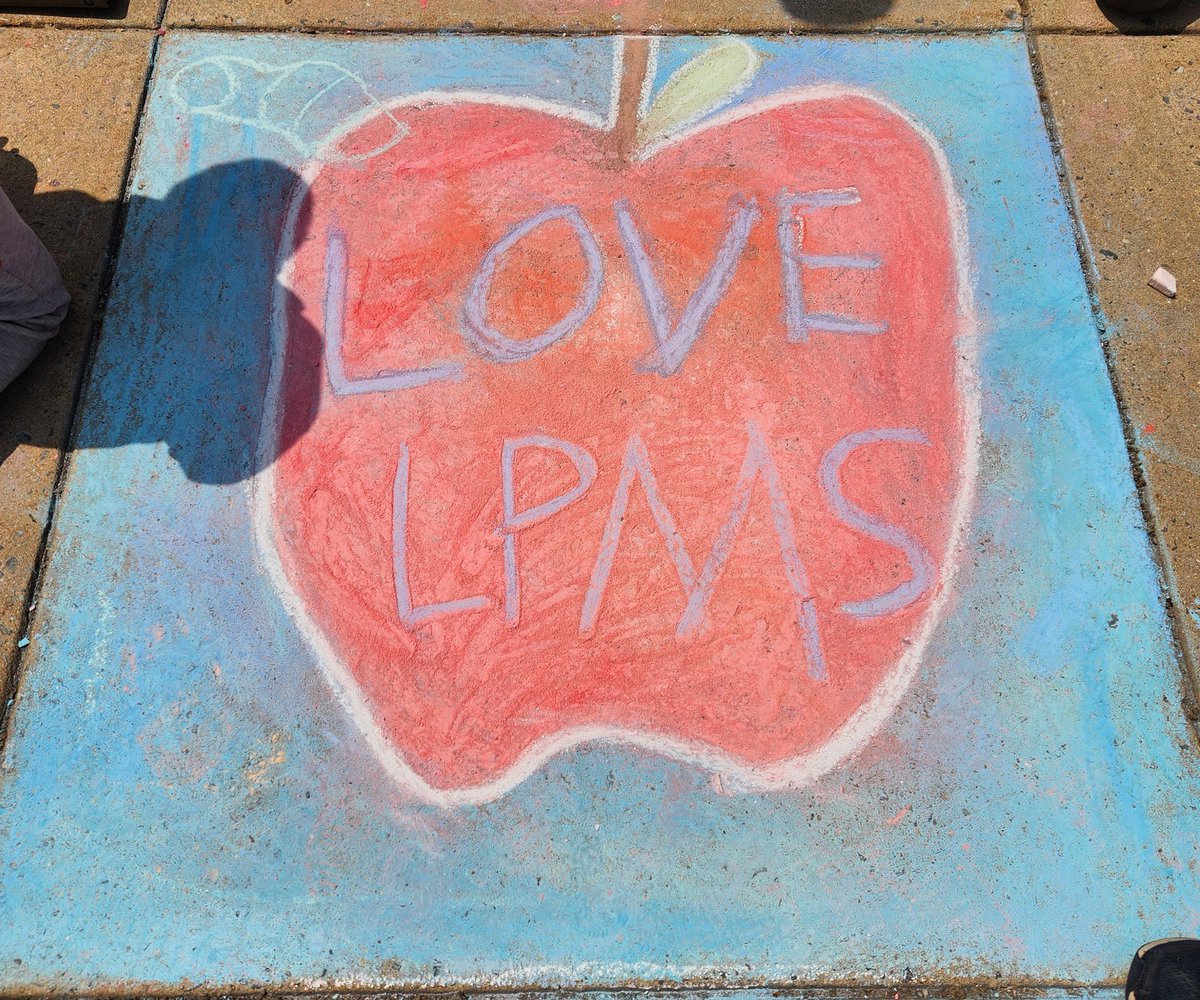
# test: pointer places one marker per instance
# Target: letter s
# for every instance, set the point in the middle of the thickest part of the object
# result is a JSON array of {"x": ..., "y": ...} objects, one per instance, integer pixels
[{"x": 919, "y": 560}]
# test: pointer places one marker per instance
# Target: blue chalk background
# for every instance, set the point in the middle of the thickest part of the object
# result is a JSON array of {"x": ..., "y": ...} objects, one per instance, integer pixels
[{"x": 182, "y": 801}]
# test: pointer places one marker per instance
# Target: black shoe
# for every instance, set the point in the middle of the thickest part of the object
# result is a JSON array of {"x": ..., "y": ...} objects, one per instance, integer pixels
[{"x": 1165, "y": 970}]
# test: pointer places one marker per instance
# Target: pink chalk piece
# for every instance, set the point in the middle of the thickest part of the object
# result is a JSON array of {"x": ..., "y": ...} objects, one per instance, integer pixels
[
  {"x": 672, "y": 453},
  {"x": 1163, "y": 281},
  {"x": 899, "y": 817}
]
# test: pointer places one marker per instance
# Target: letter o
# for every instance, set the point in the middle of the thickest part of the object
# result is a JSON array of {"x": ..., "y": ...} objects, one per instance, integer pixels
[{"x": 495, "y": 345}]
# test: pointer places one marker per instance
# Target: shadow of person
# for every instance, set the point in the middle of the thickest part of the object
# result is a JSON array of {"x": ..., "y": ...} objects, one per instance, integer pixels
[
  {"x": 831, "y": 13},
  {"x": 184, "y": 357},
  {"x": 1172, "y": 19}
]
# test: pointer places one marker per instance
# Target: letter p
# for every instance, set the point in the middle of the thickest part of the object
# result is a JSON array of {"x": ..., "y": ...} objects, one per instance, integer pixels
[{"x": 514, "y": 520}]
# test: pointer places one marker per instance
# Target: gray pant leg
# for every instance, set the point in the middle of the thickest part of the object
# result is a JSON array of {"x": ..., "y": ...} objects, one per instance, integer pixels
[{"x": 33, "y": 300}]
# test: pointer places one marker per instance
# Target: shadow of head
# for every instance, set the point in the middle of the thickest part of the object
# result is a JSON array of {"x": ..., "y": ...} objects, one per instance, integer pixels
[
  {"x": 186, "y": 349},
  {"x": 831, "y": 13},
  {"x": 1169, "y": 19}
]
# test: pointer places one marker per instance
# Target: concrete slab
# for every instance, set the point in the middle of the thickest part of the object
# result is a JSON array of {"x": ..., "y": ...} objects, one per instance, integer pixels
[
  {"x": 69, "y": 111},
  {"x": 546, "y": 518},
  {"x": 1084, "y": 16},
  {"x": 1127, "y": 109},
  {"x": 119, "y": 14},
  {"x": 598, "y": 15}
]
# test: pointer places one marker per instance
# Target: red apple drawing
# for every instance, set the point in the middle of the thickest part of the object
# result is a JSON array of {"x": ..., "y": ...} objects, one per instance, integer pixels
[{"x": 671, "y": 447}]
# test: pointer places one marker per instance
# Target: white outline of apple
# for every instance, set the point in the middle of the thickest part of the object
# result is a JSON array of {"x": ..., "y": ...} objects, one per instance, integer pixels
[{"x": 793, "y": 772}]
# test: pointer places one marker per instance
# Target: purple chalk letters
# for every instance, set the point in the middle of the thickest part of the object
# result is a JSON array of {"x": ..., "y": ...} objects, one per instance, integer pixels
[{"x": 674, "y": 334}]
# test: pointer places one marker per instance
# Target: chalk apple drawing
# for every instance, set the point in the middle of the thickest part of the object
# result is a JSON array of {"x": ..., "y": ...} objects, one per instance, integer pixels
[{"x": 671, "y": 449}]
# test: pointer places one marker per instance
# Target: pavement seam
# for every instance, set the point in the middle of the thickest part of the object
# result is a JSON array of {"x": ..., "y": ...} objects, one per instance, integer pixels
[
  {"x": 1027, "y": 24},
  {"x": 1099, "y": 31},
  {"x": 562, "y": 32},
  {"x": 815, "y": 990},
  {"x": 1185, "y": 647},
  {"x": 13, "y": 671}
]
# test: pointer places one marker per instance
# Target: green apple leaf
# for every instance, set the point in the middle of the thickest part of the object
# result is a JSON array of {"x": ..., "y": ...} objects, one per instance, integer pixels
[{"x": 709, "y": 80}]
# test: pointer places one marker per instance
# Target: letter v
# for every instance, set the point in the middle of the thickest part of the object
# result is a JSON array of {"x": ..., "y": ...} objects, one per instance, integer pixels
[{"x": 674, "y": 343}]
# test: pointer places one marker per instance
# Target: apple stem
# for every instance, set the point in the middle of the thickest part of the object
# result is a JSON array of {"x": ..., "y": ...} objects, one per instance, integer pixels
[{"x": 634, "y": 60}]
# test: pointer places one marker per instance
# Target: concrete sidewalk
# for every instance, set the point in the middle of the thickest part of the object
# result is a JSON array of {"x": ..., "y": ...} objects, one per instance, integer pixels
[{"x": 191, "y": 704}]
